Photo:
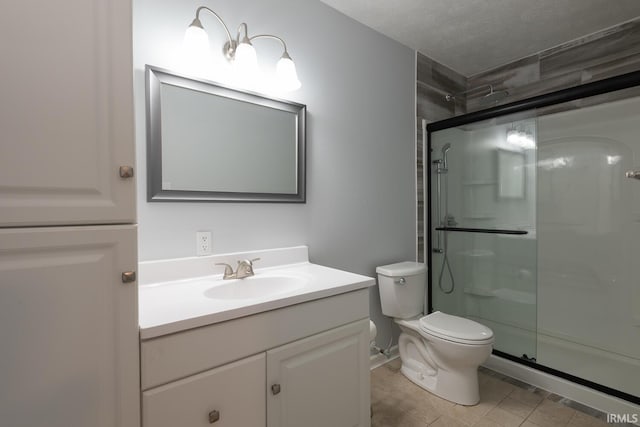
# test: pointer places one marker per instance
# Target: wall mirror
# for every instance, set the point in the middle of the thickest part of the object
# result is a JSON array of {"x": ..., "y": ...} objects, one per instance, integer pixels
[
  {"x": 511, "y": 174},
  {"x": 208, "y": 142}
]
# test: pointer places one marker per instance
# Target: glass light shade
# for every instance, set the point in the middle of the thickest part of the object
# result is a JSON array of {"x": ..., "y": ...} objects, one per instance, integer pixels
[
  {"x": 512, "y": 136},
  {"x": 196, "y": 41},
  {"x": 245, "y": 60},
  {"x": 196, "y": 51},
  {"x": 286, "y": 73},
  {"x": 529, "y": 141}
]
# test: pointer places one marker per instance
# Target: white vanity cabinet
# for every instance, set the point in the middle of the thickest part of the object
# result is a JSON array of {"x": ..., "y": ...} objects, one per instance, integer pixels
[
  {"x": 321, "y": 380},
  {"x": 306, "y": 365}
]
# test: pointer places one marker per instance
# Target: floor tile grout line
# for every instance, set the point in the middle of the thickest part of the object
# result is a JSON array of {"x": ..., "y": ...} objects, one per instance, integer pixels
[{"x": 500, "y": 389}]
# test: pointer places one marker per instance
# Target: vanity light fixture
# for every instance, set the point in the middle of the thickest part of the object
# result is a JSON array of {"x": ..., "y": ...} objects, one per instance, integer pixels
[
  {"x": 512, "y": 136},
  {"x": 240, "y": 51}
]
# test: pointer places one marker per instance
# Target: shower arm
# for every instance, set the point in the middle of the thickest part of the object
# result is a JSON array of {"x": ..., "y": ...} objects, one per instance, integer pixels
[{"x": 452, "y": 96}]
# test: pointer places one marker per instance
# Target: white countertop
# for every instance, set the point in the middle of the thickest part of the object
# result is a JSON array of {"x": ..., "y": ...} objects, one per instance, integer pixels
[{"x": 179, "y": 304}]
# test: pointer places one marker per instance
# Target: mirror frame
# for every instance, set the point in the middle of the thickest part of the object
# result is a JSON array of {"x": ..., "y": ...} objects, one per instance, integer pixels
[{"x": 156, "y": 76}]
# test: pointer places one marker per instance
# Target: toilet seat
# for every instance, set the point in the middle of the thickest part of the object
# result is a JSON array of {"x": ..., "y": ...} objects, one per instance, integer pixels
[{"x": 455, "y": 329}]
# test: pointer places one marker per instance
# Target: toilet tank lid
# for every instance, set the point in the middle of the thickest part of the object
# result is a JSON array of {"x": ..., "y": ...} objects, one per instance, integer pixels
[{"x": 407, "y": 268}]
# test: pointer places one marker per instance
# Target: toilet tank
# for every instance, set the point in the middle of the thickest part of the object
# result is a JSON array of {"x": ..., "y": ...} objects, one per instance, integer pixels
[{"x": 402, "y": 289}]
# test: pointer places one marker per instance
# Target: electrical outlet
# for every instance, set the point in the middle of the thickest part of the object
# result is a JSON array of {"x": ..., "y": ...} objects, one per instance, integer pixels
[{"x": 203, "y": 243}]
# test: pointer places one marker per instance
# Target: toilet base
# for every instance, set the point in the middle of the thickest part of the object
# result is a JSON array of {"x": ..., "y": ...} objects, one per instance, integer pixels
[
  {"x": 459, "y": 388},
  {"x": 457, "y": 383}
]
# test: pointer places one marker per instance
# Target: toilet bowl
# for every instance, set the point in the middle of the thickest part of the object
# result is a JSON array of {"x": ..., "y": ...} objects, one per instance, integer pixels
[{"x": 439, "y": 352}]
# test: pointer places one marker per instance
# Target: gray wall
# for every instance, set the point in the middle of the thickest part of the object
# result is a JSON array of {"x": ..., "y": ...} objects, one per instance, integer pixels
[{"x": 359, "y": 87}]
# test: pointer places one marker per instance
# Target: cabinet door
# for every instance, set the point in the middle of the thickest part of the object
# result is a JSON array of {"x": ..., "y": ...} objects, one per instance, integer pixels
[
  {"x": 229, "y": 396},
  {"x": 68, "y": 327},
  {"x": 66, "y": 112},
  {"x": 321, "y": 381}
]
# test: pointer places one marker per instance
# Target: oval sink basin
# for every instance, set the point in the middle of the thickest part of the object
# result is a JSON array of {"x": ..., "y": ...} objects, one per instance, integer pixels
[{"x": 255, "y": 287}]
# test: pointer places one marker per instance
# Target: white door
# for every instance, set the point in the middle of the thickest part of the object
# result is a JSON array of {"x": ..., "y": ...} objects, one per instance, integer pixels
[
  {"x": 66, "y": 112},
  {"x": 321, "y": 381},
  {"x": 68, "y": 327},
  {"x": 228, "y": 396}
]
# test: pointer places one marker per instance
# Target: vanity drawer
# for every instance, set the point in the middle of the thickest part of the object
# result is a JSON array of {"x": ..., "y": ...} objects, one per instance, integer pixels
[{"x": 235, "y": 391}]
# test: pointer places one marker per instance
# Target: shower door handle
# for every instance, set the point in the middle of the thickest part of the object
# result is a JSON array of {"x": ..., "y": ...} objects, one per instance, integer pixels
[{"x": 632, "y": 174}]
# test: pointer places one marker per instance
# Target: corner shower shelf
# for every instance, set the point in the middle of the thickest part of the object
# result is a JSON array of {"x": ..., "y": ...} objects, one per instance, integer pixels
[
  {"x": 480, "y": 183},
  {"x": 482, "y": 230}
]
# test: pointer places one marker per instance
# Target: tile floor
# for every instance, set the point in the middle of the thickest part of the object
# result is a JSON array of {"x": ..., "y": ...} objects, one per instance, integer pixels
[{"x": 397, "y": 402}]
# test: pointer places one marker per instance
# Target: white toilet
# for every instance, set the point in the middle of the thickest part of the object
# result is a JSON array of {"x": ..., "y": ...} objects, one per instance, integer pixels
[{"x": 439, "y": 352}]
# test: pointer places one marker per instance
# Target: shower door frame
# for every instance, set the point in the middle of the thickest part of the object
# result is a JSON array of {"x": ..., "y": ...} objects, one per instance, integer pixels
[{"x": 623, "y": 81}]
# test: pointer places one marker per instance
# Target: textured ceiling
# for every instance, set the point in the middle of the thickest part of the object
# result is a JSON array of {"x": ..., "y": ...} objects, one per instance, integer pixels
[{"x": 472, "y": 36}]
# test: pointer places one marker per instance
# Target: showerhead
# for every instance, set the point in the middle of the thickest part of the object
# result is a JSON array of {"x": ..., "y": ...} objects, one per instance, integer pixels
[{"x": 446, "y": 147}]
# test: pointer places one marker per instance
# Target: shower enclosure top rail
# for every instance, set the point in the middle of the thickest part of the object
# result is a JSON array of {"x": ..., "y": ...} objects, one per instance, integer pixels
[{"x": 598, "y": 87}]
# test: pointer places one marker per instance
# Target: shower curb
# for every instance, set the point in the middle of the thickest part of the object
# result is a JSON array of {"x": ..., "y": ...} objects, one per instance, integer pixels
[{"x": 576, "y": 392}]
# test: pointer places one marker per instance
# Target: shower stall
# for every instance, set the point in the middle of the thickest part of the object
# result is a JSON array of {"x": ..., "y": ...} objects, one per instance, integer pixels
[{"x": 534, "y": 230}]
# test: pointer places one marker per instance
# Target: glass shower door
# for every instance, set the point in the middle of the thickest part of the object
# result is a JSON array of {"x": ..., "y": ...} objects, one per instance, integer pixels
[
  {"x": 589, "y": 229},
  {"x": 534, "y": 230},
  {"x": 484, "y": 246}
]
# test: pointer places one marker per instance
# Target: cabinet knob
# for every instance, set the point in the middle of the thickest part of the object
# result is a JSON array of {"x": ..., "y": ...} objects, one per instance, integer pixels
[
  {"x": 275, "y": 389},
  {"x": 126, "y": 171},
  {"x": 214, "y": 416},
  {"x": 128, "y": 276}
]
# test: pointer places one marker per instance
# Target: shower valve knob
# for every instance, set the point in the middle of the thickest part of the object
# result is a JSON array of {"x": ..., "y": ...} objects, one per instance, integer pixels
[{"x": 633, "y": 174}]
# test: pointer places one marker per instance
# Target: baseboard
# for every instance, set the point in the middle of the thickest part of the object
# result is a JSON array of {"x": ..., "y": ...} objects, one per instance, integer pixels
[
  {"x": 379, "y": 359},
  {"x": 581, "y": 394}
]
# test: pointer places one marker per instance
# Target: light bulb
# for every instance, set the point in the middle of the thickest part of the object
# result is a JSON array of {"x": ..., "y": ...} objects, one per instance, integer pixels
[
  {"x": 512, "y": 136},
  {"x": 245, "y": 61},
  {"x": 196, "y": 40},
  {"x": 196, "y": 49},
  {"x": 286, "y": 73}
]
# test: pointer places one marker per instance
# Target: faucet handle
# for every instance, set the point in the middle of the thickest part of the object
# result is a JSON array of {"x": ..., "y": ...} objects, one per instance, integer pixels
[
  {"x": 245, "y": 268},
  {"x": 228, "y": 270}
]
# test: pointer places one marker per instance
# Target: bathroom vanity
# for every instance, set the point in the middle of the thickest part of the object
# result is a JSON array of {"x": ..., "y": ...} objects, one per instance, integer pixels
[{"x": 286, "y": 347}]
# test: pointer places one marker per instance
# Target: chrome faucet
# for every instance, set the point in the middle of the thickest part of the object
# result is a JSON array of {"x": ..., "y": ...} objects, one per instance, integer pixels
[{"x": 245, "y": 269}]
